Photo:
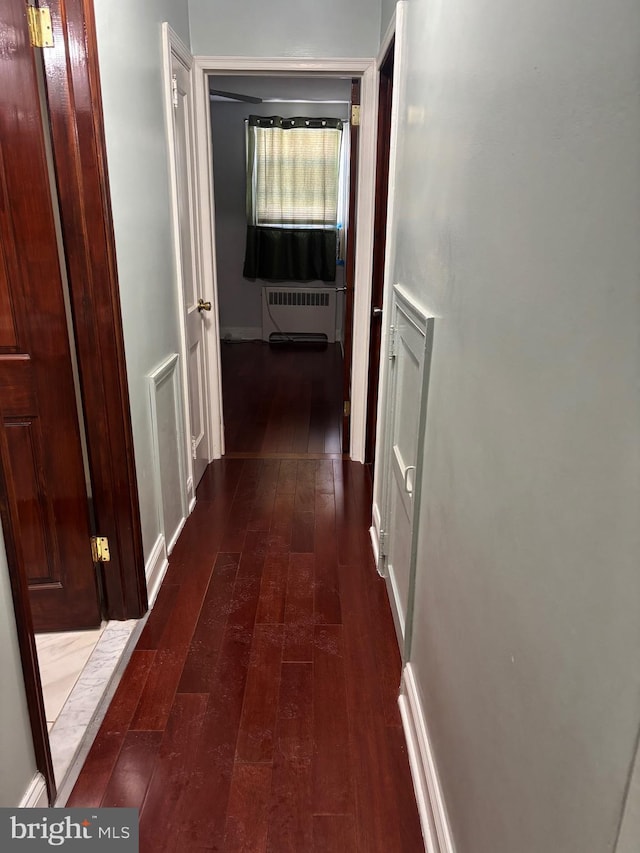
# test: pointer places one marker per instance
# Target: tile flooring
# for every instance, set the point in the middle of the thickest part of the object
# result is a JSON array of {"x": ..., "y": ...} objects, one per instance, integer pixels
[
  {"x": 80, "y": 671},
  {"x": 62, "y": 657}
]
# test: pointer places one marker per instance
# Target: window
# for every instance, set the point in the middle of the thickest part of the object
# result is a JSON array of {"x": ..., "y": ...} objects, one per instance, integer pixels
[
  {"x": 294, "y": 171},
  {"x": 294, "y": 197}
]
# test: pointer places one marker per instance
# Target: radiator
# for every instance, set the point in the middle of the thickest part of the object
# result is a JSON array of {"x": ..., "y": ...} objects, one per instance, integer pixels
[{"x": 299, "y": 313}]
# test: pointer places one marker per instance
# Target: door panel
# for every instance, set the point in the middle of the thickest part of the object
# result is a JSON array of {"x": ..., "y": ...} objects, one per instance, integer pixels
[
  {"x": 36, "y": 522},
  {"x": 8, "y": 333},
  {"x": 195, "y": 321},
  {"x": 408, "y": 351},
  {"x": 196, "y": 391},
  {"x": 37, "y": 394}
]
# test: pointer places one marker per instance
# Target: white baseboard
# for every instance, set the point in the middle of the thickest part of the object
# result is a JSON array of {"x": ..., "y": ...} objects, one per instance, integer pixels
[
  {"x": 156, "y": 568},
  {"x": 240, "y": 333},
  {"x": 374, "y": 533},
  {"x": 35, "y": 797},
  {"x": 375, "y": 515},
  {"x": 192, "y": 504},
  {"x": 175, "y": 536},
  {"x": 395, "y": 601},
  {"x": 431, "y": 805},
  {"x": 375, "y": 544}
]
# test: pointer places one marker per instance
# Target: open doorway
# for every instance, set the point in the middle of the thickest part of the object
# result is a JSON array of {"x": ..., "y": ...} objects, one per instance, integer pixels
[
  {"x": 284, "y": 340},
  {"x": 208, "y": 268}
]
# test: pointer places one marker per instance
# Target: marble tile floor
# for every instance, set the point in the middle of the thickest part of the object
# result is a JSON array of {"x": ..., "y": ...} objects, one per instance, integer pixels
[
  {"x": 62, "y": 657},
  {"x": 77, "y": 690}
]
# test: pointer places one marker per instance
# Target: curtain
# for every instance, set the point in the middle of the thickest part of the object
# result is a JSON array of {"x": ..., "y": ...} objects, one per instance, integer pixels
[{"x": 293, "y": 169}]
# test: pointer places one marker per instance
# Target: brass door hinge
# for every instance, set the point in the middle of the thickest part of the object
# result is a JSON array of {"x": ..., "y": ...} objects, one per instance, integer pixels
[
  {"x": 346, "y": 409},
  {"x": 355, "y": 115},
  {"x": 40, "y": 30},
  {"x": 100, "y": 549}
]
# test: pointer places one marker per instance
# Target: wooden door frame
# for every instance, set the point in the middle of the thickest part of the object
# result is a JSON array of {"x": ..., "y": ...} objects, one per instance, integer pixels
[
  {"x": 366, "y": 70},
  {"x": 79, "y": 154}
]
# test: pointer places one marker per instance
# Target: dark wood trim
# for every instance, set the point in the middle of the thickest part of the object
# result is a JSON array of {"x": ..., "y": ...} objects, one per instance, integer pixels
[
  {"x": 385, "y": 98},
  {"x": 350, "y": 267},
  {"x": 24, "y": 624},
  {"x": 75, "y": 110}
]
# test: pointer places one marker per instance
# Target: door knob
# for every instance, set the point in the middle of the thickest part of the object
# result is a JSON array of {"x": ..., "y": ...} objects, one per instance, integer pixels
[
  {"x": 377, "y": 312},
  {"x": 203, "y": 306}
]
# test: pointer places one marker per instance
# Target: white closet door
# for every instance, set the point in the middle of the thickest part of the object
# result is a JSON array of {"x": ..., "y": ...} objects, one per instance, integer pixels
[{"x": 402, "y": 447}]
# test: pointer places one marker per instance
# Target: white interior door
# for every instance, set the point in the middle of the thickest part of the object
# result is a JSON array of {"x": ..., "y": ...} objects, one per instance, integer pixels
[
  {"x": 196, "y": 311},
  {"x": 406, "y": 362}
]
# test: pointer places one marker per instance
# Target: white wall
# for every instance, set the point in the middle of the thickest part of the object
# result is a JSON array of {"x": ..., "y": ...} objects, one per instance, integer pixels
[
  {"x": 17, "y": 757},
  {"x": 130, "y": 54},
  {"x": 519, "y": 226},
  {"x": 305, "y": 28},
  {"x": 240, "y": 298}
]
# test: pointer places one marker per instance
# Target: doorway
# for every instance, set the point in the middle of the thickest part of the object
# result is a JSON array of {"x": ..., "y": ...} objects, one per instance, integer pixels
[
  {"x": 285, "y": 345},
  {"x": 209, "y": 265}
]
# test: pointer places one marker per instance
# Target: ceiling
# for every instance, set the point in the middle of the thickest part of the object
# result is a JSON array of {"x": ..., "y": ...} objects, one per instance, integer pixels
[{"x": 282, "y": 88}]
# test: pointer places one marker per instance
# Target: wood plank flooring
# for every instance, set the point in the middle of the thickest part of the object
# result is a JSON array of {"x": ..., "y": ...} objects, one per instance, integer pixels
[
  {"x": 282, "y": 399},
  {"x": 258, "y": 712}
]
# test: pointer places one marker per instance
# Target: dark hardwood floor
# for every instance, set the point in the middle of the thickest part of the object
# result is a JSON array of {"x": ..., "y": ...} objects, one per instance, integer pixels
[
  {"x": 283, "y": 398},
  {"x": 258, "y": 712}
]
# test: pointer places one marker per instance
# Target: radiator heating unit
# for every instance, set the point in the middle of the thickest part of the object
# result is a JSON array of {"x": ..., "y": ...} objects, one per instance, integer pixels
[{"x": 306, "y": 314}]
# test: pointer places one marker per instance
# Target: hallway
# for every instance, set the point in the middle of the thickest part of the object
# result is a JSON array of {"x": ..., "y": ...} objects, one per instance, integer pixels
[{"x": 258, "y": 711}]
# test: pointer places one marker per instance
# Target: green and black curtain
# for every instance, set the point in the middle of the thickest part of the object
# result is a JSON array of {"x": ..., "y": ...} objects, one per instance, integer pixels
[{"x": 293, "y": 177}]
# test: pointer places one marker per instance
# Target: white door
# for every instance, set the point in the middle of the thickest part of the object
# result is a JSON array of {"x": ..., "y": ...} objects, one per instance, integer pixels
[
  {"x": 405, "y": 381},
  {"x": 196, "y": 311}
]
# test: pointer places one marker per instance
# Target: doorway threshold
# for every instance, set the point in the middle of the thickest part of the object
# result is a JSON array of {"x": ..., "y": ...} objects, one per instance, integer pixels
[
  {"x": 278, "y": 455},
  {"x": 78, "y": 722}
]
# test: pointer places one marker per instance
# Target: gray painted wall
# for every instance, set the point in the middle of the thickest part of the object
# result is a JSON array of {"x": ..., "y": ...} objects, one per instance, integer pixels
[
  {"x": 630, "y": 829},
  {"x": 518, "y": 225},
  {"x": 17, "y": 757},
  {"x": 130, "y": 53},
  {"x": 304, "y": 28},
  {"x": 388, "y": 8},
  {"x": 240, "y": 298}
]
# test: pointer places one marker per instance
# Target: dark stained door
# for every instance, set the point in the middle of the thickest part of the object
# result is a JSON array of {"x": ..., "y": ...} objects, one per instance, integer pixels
[{"x": 37, "y": 396}]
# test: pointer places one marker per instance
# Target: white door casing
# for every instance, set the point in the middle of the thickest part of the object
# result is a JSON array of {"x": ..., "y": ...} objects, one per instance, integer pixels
[
  {"x": 366, "y": 70},
  {"x": 194, "y": 324}
]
